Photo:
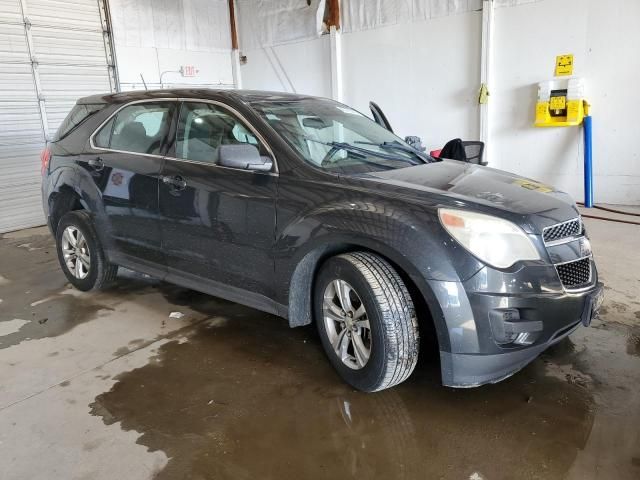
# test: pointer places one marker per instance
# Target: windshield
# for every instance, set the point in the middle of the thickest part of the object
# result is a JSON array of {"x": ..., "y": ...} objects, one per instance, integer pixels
[{"x": 336, "y": 138}]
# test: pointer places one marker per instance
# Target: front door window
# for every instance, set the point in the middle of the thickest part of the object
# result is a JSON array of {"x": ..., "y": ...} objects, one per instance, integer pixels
[{"x": 203, "y": 127}]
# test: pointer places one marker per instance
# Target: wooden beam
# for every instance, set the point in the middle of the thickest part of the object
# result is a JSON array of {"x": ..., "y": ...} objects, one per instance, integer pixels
[
  {"x": 234, "y": 31},
  {"x": 235, "y": 52},
  {"x": 333, "y": 17}
]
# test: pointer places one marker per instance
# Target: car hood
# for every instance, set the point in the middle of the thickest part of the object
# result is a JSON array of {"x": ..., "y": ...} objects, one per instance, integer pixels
[{"x": 537, "y": 205}]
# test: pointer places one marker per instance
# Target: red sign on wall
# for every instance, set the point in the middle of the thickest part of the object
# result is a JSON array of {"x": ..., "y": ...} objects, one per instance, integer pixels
[{"x": 188, "y": 70}]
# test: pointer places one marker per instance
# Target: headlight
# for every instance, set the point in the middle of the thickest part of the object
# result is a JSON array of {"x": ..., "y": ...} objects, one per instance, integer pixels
[{"x": 493, "y": 240}]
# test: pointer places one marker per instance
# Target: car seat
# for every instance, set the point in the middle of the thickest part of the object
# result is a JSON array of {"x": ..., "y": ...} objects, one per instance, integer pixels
[
  {"x": 465, "y": 151},
  {"x": 132, "y": 138}
]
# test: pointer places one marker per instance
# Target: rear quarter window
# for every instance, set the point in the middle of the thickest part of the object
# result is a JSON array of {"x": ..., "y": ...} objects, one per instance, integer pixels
[{"x": 78, "y": 114}]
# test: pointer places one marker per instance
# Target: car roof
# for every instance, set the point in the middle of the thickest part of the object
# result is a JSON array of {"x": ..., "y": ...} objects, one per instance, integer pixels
[{"x": 198, "y": 93}]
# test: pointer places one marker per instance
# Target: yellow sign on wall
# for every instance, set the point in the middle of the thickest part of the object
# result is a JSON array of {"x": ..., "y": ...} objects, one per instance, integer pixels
[{"x": 564, "y": 65}]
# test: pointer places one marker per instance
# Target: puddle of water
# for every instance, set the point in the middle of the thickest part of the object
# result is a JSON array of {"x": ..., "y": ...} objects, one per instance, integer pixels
[
  {"x": 26, "y": 233},
  {"x": 633, "y": 342},
  {"x": 11, "y": 326},
  {"x": 33, "y": 281},
  {"x": 55, "y": 318},
  {"x": 244, "y": 396},
  {"x": 35, "y": 290},
  {"x": 250, "y": 398}
]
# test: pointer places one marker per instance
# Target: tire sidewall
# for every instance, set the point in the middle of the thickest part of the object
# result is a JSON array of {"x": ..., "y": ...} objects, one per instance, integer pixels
[
  {"x": 80, "y": 220},
  {"x": 371, "y": 375}
]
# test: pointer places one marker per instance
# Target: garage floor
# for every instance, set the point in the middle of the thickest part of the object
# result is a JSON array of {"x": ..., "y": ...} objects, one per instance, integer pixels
[{"x": 108, "y": 385}]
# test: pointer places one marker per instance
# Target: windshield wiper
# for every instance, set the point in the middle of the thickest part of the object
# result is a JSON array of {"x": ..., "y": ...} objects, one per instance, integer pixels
[
  {"x": 337, "y": 146},
  {"x": 398, "y": 146}
]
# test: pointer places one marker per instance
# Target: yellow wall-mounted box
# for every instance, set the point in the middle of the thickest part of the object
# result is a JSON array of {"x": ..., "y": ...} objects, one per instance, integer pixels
[
  {"x": 560, "y": 103},
  {"x": 575, "y": 114}
]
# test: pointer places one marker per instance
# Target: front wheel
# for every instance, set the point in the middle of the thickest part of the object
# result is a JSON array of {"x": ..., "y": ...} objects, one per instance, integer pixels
[{"x": 366, "y": 320}]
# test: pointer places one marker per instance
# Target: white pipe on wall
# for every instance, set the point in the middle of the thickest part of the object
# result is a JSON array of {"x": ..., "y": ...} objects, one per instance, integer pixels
[
  {"x": 485, "y": 72},
  {"x": 336, "y": 65},
  {"x": 235, "y": 68}
]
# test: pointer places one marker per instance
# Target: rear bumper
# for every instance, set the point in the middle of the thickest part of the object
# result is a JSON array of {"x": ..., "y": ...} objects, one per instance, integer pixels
[{"x": 44, "y": 192}]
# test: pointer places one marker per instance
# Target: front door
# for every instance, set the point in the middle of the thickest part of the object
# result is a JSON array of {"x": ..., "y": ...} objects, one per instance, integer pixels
[
  {"x": 379, "y": 116},
  {"x": 125, "y": 163},
  {"x": 218, "y": 222}
]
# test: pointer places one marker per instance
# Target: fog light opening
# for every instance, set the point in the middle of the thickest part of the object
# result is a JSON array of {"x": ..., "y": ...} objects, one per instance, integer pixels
[
  {"x": 526, "y": 338},
  {"x": 509, "y": 328}
]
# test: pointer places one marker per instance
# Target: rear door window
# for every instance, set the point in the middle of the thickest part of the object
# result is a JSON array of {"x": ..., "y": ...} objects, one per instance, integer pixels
[{"x": 138, "y": 128}]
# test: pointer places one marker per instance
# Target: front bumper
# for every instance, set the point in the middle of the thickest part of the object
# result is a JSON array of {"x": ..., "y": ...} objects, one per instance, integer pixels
[
  {"x": 476, "y": 358},
  {"x": 463, "y": 370}
]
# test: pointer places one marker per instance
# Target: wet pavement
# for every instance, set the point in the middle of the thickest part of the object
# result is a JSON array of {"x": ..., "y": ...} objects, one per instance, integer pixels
[{"x": 108, "y": 385}]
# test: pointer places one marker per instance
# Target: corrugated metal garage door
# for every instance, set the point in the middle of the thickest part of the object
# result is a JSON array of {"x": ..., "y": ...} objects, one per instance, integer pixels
[{"x": 51, "y": 53}]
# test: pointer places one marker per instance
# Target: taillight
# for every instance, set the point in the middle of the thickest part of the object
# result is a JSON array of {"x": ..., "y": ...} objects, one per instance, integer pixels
[{"x": 45, "y": 156}]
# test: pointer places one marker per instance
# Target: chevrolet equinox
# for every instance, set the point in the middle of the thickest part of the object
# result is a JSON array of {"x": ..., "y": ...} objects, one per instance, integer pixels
[{"x": 305, "y": 208}]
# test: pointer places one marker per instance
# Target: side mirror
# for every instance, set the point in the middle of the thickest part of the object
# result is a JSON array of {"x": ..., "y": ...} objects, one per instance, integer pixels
[
  {"x": 415, "y": 142},
  {"x": 243, "y": 156}
]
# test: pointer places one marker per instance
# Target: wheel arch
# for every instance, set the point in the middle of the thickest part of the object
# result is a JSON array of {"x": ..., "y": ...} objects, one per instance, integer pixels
[
  {"x": 71, "y": 188},
  {"x": 300, "y": 308},
  {"x": 65, "y": 199}
]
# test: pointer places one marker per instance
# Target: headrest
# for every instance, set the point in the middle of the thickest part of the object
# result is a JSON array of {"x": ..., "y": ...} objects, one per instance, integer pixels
[{"x": 133, "y": 129}]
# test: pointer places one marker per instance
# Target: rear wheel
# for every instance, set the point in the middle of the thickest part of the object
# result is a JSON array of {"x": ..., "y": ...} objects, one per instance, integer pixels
[
  {"x": 80, "y": 254},
  {"x": 366, "y": 320}
]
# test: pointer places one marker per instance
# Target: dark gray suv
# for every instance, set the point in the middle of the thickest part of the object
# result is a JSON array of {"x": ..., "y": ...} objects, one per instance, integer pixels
[{"x": 304, "y": 208}]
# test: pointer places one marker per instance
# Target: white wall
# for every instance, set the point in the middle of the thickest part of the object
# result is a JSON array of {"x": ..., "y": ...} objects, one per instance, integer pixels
[
  {"x": 423, "y": 74},
  {"x": 301, "y": 67},
  {"x": 152, "y": 37},
  {"x": 422, "y": 67},
  {"x": 604, "y": 37}
]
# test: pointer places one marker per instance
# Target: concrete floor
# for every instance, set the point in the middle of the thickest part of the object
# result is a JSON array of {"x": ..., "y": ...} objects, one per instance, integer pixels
[{"x": 108, "y": 385}]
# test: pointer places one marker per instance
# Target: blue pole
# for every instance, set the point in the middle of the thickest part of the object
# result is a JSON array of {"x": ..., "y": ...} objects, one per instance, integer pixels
[{"x": 588, "y": 163}]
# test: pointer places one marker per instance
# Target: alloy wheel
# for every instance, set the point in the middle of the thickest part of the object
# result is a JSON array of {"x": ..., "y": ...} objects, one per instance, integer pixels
[
  {"x": 347, "y": 324},
  {"x": 76, "y": 252}
]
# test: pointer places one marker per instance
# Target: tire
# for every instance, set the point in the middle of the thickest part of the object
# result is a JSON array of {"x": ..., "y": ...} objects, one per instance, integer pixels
[
  {"x": 99, "y": 273},
  {"x": 392, "y": 339}
]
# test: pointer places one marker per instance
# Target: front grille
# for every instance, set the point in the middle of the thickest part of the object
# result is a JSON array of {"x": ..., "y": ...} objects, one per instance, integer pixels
[
  {"x": 575, "y": 274},
  {"x": 572, "y": 228}
]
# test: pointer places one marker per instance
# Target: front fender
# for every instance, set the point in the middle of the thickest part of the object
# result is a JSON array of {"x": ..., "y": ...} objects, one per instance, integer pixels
[{"x": 408, "y": 236}]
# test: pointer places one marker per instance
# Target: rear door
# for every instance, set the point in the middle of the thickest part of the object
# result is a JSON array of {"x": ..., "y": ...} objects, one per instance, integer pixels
[
  {"x": 218, "y": 222},
  {"x": 125, "y": 161}
]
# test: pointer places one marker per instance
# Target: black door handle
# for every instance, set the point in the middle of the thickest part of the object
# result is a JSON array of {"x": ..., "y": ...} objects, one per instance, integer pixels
[
  {"x": 96, "y": 163},
  {"x": 176, "y": 182}
]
